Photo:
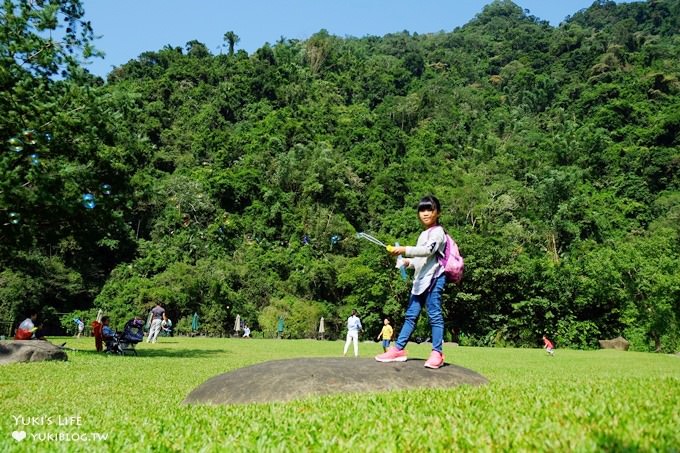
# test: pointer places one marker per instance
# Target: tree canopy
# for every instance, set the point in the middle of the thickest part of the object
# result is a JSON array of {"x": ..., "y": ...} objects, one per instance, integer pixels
[{"x": 235, "y": 184}]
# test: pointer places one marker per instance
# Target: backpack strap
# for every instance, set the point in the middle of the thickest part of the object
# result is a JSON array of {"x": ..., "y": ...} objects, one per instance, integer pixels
[{"x": 441, "y": 258}]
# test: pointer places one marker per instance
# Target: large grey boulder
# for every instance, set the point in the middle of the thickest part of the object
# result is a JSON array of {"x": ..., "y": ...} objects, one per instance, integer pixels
[
  {"x": 29, "y": 351},
  {"x": 619, "y": 343},
  {"x": 285, "y": 380}
]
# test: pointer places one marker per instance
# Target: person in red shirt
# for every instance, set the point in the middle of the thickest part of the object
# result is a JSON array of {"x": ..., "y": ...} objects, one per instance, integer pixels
[{"x": 549, "y": 347}]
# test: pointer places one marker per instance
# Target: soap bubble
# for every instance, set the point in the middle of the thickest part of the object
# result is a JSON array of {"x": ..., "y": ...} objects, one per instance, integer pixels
[
  {"x": 15, "y": 144},
  {"x": 29, "y": 137},
  {"x": 105, "y": 188},
  {"x": 35, "y": 159},
  {"x": 89, "y": 201},
  {"x": 48, "y": 137},
  {"x": 14, "y": 218}
]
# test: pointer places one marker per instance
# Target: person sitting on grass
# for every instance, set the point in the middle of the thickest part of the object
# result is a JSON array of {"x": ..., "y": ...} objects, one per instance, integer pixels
[
  {"x": 549, "y": 347},
  {"x": 107, "y": 332},
  {"x": 27, "y": 328},
  {"x": 246, "y": 332}
]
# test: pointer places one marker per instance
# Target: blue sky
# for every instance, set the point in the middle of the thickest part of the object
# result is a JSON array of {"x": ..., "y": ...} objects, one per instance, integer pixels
[{"x": 130, "y": 27}]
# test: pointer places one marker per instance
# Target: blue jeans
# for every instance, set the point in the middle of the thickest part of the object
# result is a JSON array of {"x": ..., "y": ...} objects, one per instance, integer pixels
[{"x": 432, "y": 299}]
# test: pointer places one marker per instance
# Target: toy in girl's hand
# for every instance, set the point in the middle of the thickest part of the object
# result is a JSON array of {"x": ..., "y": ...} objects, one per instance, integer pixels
[
  {"x": 370, "y": 238},
  {"x": 389, "y": 248},
  {"x": 401, "y": 265}
]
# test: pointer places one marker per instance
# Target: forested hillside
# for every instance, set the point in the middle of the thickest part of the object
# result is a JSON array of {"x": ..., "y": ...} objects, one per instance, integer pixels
[{"x": 234, "y": 184}]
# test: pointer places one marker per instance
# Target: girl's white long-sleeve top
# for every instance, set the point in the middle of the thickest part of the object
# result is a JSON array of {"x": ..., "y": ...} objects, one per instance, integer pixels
[{"x": 424, "y": 258}]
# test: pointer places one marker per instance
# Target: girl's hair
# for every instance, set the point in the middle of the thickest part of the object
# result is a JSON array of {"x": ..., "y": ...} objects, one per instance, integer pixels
[{"x": 429, "y": 203}]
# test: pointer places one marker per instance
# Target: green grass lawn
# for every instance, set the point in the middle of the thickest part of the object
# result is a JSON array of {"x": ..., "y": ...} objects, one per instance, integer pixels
[{"x": 575, "y": 401}]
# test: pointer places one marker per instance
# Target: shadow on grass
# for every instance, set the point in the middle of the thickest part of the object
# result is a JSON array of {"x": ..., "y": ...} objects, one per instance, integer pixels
[
  {"x": 183, "y": 353},
  {"x": 178, "y": 353},
  {"x": 610, "y": 443}
]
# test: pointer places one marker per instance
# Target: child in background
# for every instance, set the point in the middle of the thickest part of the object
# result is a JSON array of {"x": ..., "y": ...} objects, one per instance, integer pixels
[
  {"x": 107, "y": 331},
  {"x": 428, "y": 284},
  {"x": 80, "y": 326},
  {"x": 549, "y": 347},
  {"x": 166, "y": 327},
  {"x": 386, "y": 334}
]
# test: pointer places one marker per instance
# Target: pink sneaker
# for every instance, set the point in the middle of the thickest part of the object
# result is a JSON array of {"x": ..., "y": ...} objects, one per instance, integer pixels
[
  {"x": 435, "y": 361},
  {"x": 392, "y": 355}
]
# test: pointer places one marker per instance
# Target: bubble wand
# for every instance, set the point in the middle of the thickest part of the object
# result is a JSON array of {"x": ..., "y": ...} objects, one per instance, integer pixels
[
  {"x": 375, "y": 241},
  {"x": 370, "y": 238}
]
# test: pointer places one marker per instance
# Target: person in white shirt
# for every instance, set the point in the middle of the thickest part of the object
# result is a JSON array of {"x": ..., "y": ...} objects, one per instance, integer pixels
[
  {"x": 353, "y": 329},
  {"x": 80, "y": 325},
  {"x": 27, "y": 328}
]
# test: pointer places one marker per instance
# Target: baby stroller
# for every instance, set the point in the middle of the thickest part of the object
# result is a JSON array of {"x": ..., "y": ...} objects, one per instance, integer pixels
[{"x": 122, "y": 343}]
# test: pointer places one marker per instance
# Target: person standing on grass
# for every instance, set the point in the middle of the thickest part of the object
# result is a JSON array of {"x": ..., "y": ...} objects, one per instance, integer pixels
[
  {"x": 157, "y": 318},
  {"x": 548, "y": 345},
  {"x": 279, "y": 328},
  {"x": 386, "y": 334},
  {"x": 428, "y": 284},
  {"x": 80, "y": 326},
  {"x": 353, "y": 329}
]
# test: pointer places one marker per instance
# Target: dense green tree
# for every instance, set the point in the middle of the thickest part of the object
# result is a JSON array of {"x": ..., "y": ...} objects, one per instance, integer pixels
[
  {"x": 241, "y": 180},
  {"x": 56, "y": 125},
  {"x": 231, "y": 39}
]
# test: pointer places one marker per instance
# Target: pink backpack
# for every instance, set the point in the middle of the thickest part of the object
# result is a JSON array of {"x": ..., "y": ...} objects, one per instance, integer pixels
[{"x": 452, "y": 262}]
